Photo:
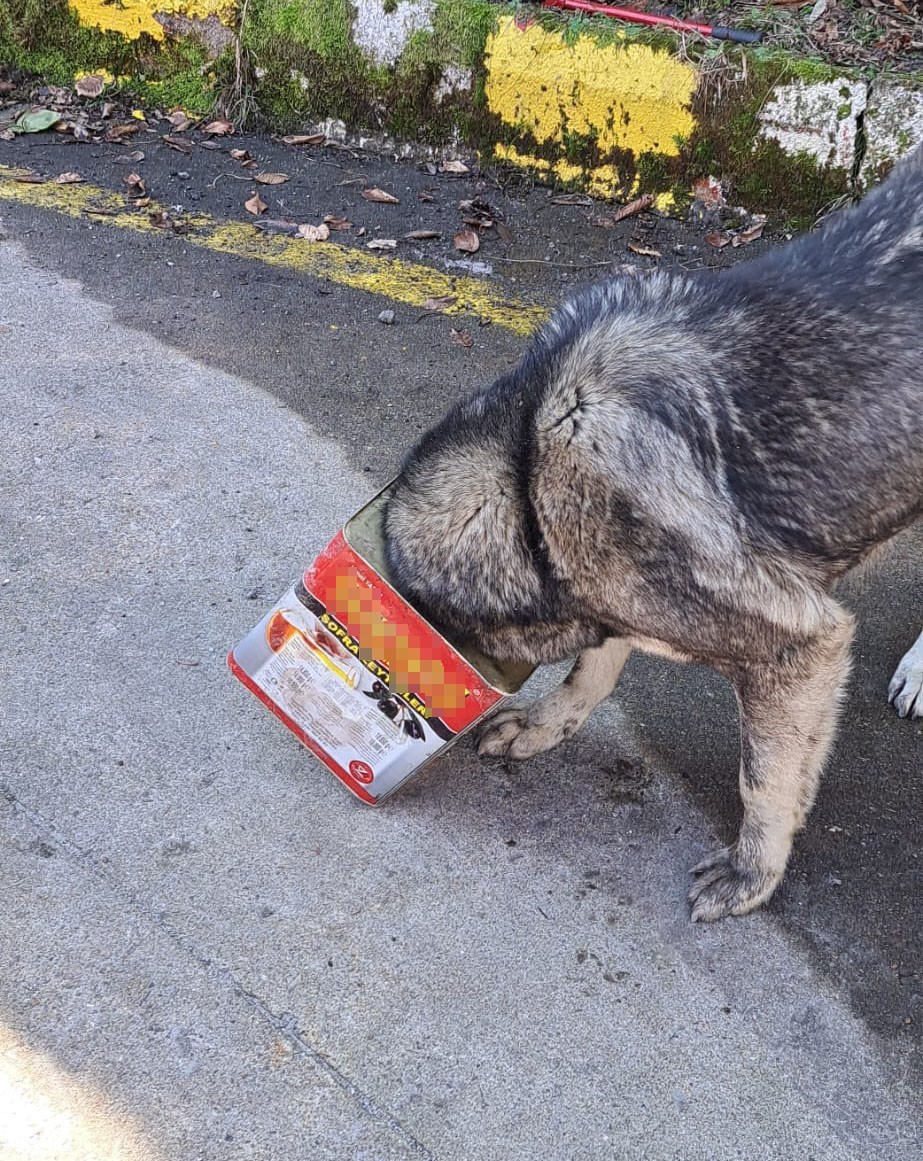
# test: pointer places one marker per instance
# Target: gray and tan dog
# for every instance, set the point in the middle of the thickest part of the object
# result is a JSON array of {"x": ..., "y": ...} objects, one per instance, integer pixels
[{"x": 687, "y": 466}]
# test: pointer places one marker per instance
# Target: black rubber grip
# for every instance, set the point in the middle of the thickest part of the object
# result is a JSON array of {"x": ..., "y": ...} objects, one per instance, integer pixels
[{"x": 738, "y": 35}]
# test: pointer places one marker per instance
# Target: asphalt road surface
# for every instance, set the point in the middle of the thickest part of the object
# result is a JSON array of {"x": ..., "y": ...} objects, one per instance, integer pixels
[{"x": 208, "y": 948}]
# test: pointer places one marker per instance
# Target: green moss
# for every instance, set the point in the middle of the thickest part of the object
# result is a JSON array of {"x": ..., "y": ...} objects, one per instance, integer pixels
[
  {"x": 45, "y": 38},
  {"x": 726, "y": 143}
]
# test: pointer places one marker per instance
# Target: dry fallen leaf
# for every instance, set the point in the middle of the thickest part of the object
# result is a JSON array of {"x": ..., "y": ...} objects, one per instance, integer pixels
[
  {"x": 708, "y": 192},
  {"x": 135, "y": 183},
  {"x": 571, "y": 199},
  {"x": 336, "y": 223},
  {"x": 69, "y": 178},
  {"x": 425, "y": 195},
  {"x": 382, "y": 244},
  {"x": 305, "y": 139},
  {"x": 636, "y": 207},
  {"x": 240, "y": 154},
  {"x": 142, "y": 202},
  {"x": 117, "y": 132},
  {"x": 749, "y": 235},
  {"x": 361, "y": 232},
  {"x": 255, "y": 205},
  {"x": 505, "y": 232},
  {"x": 458, "y": 167},
  {"x": 420, "y": 235},
  {"x": 90, "y": 86},
  {"x": 462, "y": 338},
  {"x": 219, "y": 128},
  {"x": 271, "y": 178},
  {"x": 644, "y": 251},
  {"x": 178, "y": 143},
  {"x": 179, "y": 120},
  {"x": 314, "y": 233},
  {"x": 30, "y": 178},
  {"x": 162, "y": 220},
  {"x": 717, "y": 240},
  {"x": 441, "y": 302},
  {"x": 467, "y": 241},
  {"x": 379, "y": 195}
]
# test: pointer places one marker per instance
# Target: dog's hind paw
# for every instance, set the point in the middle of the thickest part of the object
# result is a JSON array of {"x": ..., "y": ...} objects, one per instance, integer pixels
[
  {"x": 513, "y": 733},
  {"x": 906, "y": 689},
  {"x": 724, "y": 888}
]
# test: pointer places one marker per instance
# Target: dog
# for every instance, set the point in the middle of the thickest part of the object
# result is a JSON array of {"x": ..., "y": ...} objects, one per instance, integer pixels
[{"x": 687, "y": 465}]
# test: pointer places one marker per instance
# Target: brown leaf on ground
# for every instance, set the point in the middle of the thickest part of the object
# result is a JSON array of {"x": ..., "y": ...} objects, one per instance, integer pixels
[
  {"x": 467, "y": 241},
  {"x": 456, "y": 167},
  {"x": 69, "y": 178},
  {"x": 382, "y": 244},
  {"x": 636, "y": 207},
  {"x": 125, "y": 129},
  {"x": 255, "y": 205},
  {"x": 135, "y": 155},
  {"x": 462, "y": 338},
  {"x": 571, "y": 199},
  {"x": 381, "y": 196},
  {"x": 305, "y": 139},
  {"x": 135, "y": 183},
  {"x": 425, "y": 195},
  {"x": 422, "y": 235},
  {"x": 336, "y": 223},
  {"x": 179, "y": 120},
  {"x": 441, "y": 302},
  {"x": 644, "y": 251},
  {"x": 504, "y": 232},
  {"x": 6, "y": 134},
  {"x": 271, "y": 178},
  {"x": 708, "y": 191},
  {"x": 360, "y": 233},
  {"x": 90, "y": 86},
  {"x": 717, "y": 239},
  {"x": 240, "y": 154},
  {"x": 30, "y": 178},
  {"x": 744, "y": 237},
  {"x": 108, "y": 109},
  {"x": 314, "y": 233},
  {"x": 178, "y": 143},
  {"x": 162, "y": 220},
  {"x": 219, "y": 128},
  {"x": 141, "y": 203}
]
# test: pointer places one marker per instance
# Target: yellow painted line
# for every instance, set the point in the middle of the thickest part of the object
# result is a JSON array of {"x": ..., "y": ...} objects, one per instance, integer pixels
[
  {"x": 626, "y": 96},
  {"x": 411, "y": 283}
]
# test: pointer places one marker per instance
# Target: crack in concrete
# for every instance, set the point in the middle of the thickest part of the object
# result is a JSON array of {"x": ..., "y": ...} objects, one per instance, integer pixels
[{"x": 283, "y": 1024}]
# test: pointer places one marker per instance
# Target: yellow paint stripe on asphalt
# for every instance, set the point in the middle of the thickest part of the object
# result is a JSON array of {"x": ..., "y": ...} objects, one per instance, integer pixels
[{"x": 411, "y": 283}]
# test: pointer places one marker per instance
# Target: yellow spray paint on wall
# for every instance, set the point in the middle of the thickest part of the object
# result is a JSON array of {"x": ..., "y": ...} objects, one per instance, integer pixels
[
  {"x": 133, "y": 17},
  {"x": 625, "y": 95}
]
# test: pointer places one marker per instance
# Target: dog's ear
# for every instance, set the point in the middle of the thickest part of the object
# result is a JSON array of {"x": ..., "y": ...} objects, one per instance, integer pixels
[{"x": 456, "y": 539}]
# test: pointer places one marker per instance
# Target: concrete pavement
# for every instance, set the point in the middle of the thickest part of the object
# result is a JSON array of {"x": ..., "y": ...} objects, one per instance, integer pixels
[{"x": 212, "y": 951}]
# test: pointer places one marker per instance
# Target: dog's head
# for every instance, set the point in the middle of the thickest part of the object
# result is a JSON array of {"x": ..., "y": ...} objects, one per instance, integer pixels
[{"x": 460, "y": 538}]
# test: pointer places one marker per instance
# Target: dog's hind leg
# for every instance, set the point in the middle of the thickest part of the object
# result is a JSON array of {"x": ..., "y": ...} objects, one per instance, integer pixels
[
  {"x": 788, "y": 718},
  {"x": 528, "y": 730},
  {"x": 906, "y": 689}
]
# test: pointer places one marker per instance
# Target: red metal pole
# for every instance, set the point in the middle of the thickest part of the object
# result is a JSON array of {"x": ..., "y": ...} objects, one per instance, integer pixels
[{"x": 634, "y": 17}]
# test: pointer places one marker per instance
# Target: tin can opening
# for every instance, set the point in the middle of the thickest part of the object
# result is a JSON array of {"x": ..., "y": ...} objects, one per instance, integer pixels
[{"x": 364, "y": 533}]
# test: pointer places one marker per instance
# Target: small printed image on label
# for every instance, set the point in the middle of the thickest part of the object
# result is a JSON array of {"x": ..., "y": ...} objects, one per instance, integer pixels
[{"x": 332, "y": 697}]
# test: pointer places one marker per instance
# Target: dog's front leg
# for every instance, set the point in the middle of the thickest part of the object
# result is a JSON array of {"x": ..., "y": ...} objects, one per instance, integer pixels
[
  {"x": 526, "y": 731},
  {"x": 788, "y": 718}
]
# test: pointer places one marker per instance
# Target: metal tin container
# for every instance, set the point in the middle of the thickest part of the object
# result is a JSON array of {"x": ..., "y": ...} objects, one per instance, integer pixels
[{"x": 356, "y": 673}]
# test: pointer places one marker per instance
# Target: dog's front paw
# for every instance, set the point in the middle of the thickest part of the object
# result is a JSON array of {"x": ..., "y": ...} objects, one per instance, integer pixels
[
  {"x": 514, "y": 733},
  {"x": 906, "y": 689},
  {"x": 724, "y": 887}
]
